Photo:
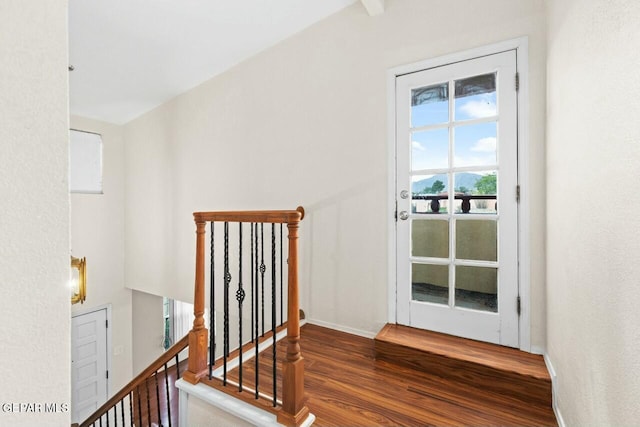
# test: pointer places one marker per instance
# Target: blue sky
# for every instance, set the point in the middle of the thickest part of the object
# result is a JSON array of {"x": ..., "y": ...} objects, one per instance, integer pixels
[{"x": 475, "y": 145}]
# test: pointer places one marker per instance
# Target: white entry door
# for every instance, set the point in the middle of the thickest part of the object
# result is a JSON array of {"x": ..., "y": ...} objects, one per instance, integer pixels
[
  {"x": 88, "y": 364},
  {"x": 456, "y": 192}
]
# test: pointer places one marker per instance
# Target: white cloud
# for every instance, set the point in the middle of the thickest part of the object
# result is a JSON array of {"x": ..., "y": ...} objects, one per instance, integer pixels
[
  {"x": 485, "y": 145},
  {"x": 475, "y": 160},
  {"x": 479, "y": 108},
  {"x": 417, "y": 146}
]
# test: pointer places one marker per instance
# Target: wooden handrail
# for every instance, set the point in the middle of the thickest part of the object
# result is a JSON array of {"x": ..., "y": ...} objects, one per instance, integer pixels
[
  {"x": 278, "y": 217},
  {"x": 293, "y": 410},
  {"x": 466, "y": 200},
  {"x": 139, "y": 379}
]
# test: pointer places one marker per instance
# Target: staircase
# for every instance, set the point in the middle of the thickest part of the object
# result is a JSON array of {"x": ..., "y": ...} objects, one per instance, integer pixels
[
  {"x": 483, "y": 367},
  {"x": 151, "y": 397}
]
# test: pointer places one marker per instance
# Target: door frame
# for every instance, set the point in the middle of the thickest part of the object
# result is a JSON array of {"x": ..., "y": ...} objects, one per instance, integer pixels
[
  {"x": 521, "y": 46},
  {"x": 106, "y": 307}
]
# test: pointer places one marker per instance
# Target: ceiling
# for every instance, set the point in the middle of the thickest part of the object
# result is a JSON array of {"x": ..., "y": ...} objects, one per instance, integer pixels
[{"x": 133, "y": 55}]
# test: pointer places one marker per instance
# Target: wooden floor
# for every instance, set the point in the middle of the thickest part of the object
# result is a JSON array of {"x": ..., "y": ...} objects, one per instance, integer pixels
[
  {"x": 346, "y": 386},
  {"x": 486, "y": 366},
  {"x": 481, "y": 353}
]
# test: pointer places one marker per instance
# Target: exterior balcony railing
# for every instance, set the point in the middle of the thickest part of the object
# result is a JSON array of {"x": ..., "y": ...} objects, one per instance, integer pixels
[{"x": 435, "y": 201}]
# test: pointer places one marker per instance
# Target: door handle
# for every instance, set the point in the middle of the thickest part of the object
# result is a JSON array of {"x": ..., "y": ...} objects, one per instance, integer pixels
[{"x": 404, "y": 215}]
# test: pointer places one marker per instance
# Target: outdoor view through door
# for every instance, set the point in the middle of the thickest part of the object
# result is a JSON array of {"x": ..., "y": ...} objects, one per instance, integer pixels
[{"x": 456, "y": 192}]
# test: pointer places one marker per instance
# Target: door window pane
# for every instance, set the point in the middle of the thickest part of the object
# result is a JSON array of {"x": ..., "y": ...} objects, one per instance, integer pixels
[
  {"x": 476, "y": 240},
  {"x": 430, "y": 105},
  {"x": 476, "y": 97},
  {"x": 430, "y": 283},
  {"x": 429, "y": 194},
  {"x": 477, "y": 288},
  {"x": 430, "y": 238},
  {"x": 475, "y": 145},
  {"x": 476, "y": 192},
  {"x": 430, "y": 149}
]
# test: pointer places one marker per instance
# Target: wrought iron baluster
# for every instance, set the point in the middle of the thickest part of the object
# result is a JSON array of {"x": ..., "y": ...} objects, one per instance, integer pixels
[
  {"x": 166, "y": 385},
  {"x": 107, "y": 415},
  {"x": 240, "y": 297},
  {"x": 212, "y": 307},
  {"x": 281, "y": 281},
  {"x": 115, "y": 415},
  {"x": 273, "y": 305},
  {"x": 155, "y": 377},
  {"x": 257, "y": 322},
  {"x": 227, "y": 280},
  {"x": 263, "y": 268},
  {"x": 177, "y": 367},
  {"x": 100, "y": 420}
]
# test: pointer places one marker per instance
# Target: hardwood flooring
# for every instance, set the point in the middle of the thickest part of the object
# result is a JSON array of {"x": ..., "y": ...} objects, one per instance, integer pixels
[
  {"x": 346, "y": 386},
  {"x": 481, "y": 365},
  {"x": 489, "y": 355}
]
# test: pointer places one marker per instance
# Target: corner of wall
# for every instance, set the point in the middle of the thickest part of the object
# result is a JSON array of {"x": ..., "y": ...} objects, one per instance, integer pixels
[
  {"x": 34, "y": 256},
  {"x": 554, "y": 385}
]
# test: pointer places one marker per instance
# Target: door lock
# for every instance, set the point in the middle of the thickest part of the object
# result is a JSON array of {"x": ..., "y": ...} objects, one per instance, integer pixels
[
  {"x": 404, "y": 215},
  {"x": 404, "y": 194}
]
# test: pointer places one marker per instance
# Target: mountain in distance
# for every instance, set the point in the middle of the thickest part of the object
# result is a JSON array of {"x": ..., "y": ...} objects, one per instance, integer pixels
[{"x": 463, "y": 179}]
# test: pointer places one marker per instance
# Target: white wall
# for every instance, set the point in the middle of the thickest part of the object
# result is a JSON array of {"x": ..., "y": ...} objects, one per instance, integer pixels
[
  {"x": 593, "y": 141},
  {"x": 304, "y": 123},
  {"x": 34, "y": 207},
  {"x": 97, "y": 232},
  {"x": 203, "y": 406},
  {"x": 148, "y": 329},
  {"x": 202, "y": 414}
]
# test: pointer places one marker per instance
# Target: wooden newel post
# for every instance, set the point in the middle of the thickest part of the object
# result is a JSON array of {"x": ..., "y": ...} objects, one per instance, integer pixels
[
  {"x": 197, "y": 367},
  {"x": 293, "y": 411}
]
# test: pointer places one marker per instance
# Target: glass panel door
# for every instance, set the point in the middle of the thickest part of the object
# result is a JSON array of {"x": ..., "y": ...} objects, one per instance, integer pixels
[{"x": 457, "y": 231}]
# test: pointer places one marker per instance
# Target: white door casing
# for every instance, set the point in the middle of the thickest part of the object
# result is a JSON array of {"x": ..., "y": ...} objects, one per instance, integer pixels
[
  {"x": 500, "y": 327},
  {"x": 89, "y": 365}
]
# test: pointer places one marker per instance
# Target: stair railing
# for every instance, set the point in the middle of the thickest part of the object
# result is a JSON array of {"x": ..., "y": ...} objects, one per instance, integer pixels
[
  {"x": 238, "y": 265},
  {"x": 146, "y": 399}
]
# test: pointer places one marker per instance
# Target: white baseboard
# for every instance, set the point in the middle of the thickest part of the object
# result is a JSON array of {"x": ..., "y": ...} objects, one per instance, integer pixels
[
  {"x": 352, "y": 331},
  {"x": 559, "y": 418},
  {"x": 554, "y": 384}
]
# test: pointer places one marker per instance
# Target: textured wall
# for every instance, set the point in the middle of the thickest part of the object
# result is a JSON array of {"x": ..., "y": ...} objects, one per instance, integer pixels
[
  {"x": 593, "y": 246},
  {"x": 97, "y": 232},
  {"x": 34, "y": 211},
  {"x": 305, "y": 122}
]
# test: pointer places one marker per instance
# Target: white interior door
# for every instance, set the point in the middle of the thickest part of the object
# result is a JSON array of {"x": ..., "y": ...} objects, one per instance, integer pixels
[
  {"x": 88, "y": 363},
  {"x": 456, "y": 192}
]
